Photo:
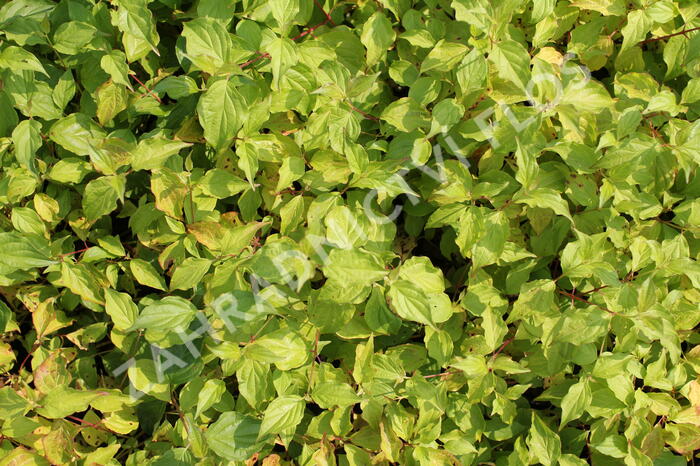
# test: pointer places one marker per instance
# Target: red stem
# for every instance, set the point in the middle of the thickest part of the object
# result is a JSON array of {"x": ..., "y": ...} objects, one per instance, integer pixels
[
  {"x": 153, "y": 94},
  {"x": 364, "y": 114},
  {"x": 320, "y": 7},
  {"x": 304, "y": 33},
  {"x": 595, "y": 289},
  {"x": 83, "y": 421},
  {"x": 440, "y": 375},
  {"x": 685, "y": 31},
  {"x": 267, "y": 55},
  {"x": 309, "y": 31},
  {"x": 505, "y": 343},
  {"x": 253, "y": 60},
  {"x": 573, "y": 296},
  {"x": 24, "y": 361},
  {"x": 73, "y": 252}
]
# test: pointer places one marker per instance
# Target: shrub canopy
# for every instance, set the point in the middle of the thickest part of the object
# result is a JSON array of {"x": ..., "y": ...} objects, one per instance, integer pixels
[{"x": 417, "y": 232}]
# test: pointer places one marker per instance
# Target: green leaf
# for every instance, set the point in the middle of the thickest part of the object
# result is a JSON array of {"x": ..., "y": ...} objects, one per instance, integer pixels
[
  {"x": 575, "y": 401},
  {"x": 291, "y": 170},
  {"x": 27, "y": 140},
  {"x": 210, "y": 394},
  {"x": 691, "y": 93},
  {"x": 5, "y": 318},
  {"x": 423, "y": 274},
  {"x": 24, "y": 251},
  {"x": 284, "y": 348},
  {"x": 8, "y": 115},
  {"x": 77, "y": 133},
  {"x": 146, "y": 274},
  {"x": 255, "y": 383},
  {"x": 377, "y": 37},
  {"x": 544, "y": 444},
  {"x": 121, "y": 309},
  {"x": 171, "y": 312},
  {"x": 177, "y": 87},
  {"x": 354, "y": 266},
  {"x": 363, "y": 370},
  {"x": 222, "y": 184},
  {"x": 236, "y": 239},
  {"x": 443, "y": 57},
  {"x": 292, "y": 214},
  {"x": 208, "y": 44},
  {"x": 416, "y": 305},
  {"x": 284, "y": 12},
  {"x": 169, "y": 189},
  {"x": 404, "y": 114},
  {"x": 636, "y": 28},
  {"x": 111, "y": 100},
  {"x": 282, "y": 414},
  {"x": 378, "y": 316},
  {"x": 147, "y": 378},
  {"x": 64, "y": 91},
  {"x": 238, "y": 307},
  {"x": 330, "y": 394},
  {"x": 70, "y": 170},
  {"x": 220, "y": 113},
  {"x": 544, "y": 198},
  {"x": 152, "y": 153},
  {"x": 11, "y": 403},
  {"x": 512, "y": 62},
  {"x": 64, "y": 401},
  {"x": 136, "y": 21},
  {"x": 234, "y": 436},
  {"x": 494, "y": 329},
  {"x": 84, "y": 281},
  {"x": 591, "y": 97},
  {"x": 101, "y": 196},
  {"x": 18, "y": 58},
  {"x": 344, "y": 228},
  {"x": 73, "y": 37},
  {"x": 446, "y": 114},
  {"x": 114, "y": 64},
  {"x": 472, "y": 366},
  {"x": 189, "y": 273},
  {"x": 283, "y": 55},
  {"x": 218, "y": 9}
]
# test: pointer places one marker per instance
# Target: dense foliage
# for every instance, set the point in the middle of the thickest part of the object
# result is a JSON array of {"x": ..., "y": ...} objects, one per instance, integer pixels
[{"x": 424, "y": 232}]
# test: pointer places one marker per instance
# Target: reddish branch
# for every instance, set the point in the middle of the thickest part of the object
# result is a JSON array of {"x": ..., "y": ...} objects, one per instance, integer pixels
[
  {"x": 290, "y": 191},
  {"x": 153, "y": 94},
  {"x": 505, "y": 343},
  {"x": 83, "y": 421},
  {"x": 579, "y": 299},
  {"x": 683, "y": 32},
  {"x": 363, "y": 113},
  {"x": 253, "y": 60},
  {"x": 441, "y": 374},
  {"x": 328, "y": 19},
  {"x": 493, "y": 356},
  {"x": 310, "y": 30},
  {"x": 315, "y": 350},
  {"x": 652, "y": 128},
  {"x": 595, "y": 289},
  {"x": 74, "y": 252},
  {"x": 262, "y": 55},
  {"x": 328, "y": 15},
  {"x": 26, "y": 358}
]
